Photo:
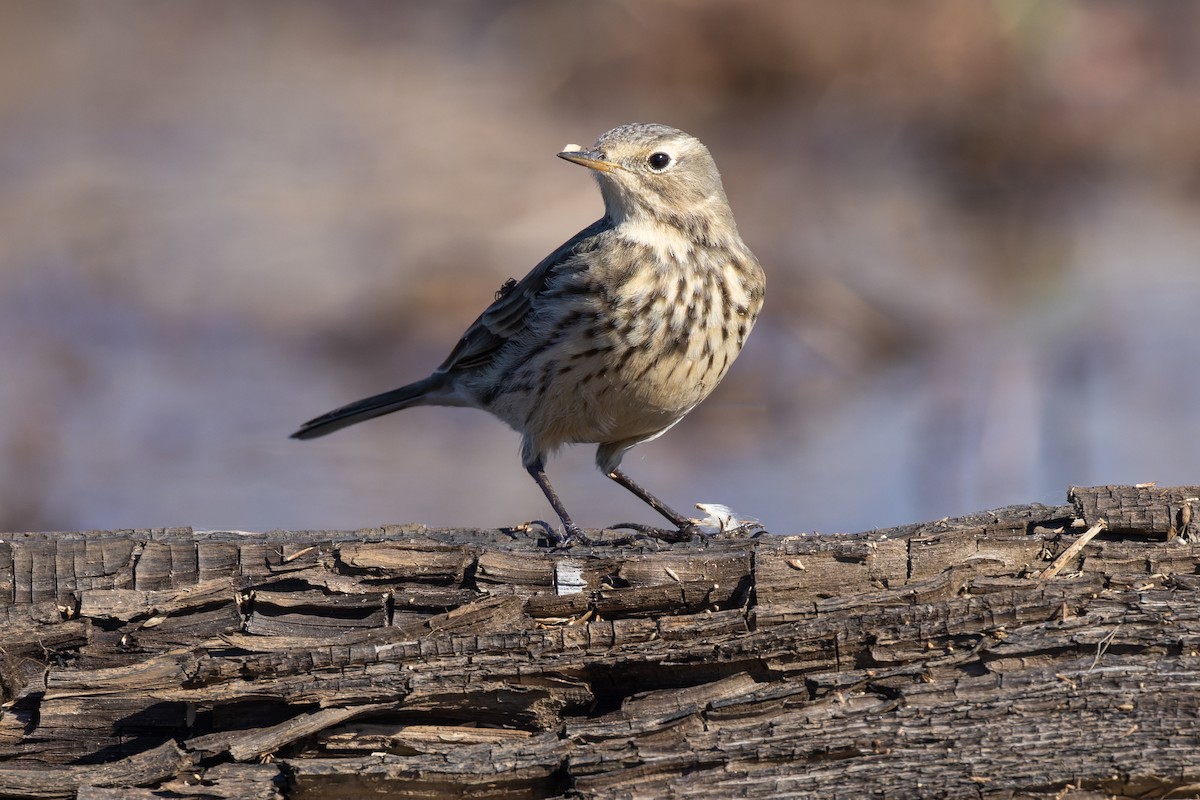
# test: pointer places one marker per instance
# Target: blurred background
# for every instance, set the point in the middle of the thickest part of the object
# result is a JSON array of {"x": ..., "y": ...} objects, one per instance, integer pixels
[{"x": 219, "y": 218}]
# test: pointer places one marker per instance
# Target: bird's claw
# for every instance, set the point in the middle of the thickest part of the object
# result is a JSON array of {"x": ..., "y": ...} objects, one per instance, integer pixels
[
  {"x": 691, "y": 531},
  {"x": 685, "y": 533},
  {"x": 572, "y": 536}
]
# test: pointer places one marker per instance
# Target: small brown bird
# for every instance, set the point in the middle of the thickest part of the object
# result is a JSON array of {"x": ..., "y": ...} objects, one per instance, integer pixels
[{"x": 618, "y": 333}]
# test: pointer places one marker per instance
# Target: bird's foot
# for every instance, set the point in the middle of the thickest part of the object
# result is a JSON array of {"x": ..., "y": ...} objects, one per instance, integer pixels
[
  {"x": 693, "y": 531},
  {"x": 577, "y": 538},
  {"x": 571, "y": 536},
  {"x": 684, "y": 533},
  {"x": 688, "y": 531}
]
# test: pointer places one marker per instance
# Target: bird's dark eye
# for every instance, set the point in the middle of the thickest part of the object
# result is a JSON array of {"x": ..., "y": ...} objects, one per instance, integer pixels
[{"x": 659, "y": 161}]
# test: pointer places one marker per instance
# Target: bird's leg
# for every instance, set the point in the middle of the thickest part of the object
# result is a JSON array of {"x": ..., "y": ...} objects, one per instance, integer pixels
[
  {"x": 687, "y": 527},
  {"x": 537, "y": 471},
  {"x": 678, "y": 519},
  {"x": 572, "y": 533}
]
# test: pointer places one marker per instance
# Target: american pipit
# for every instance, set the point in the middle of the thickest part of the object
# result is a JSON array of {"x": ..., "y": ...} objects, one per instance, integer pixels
[{"x": 618, "y": 333}]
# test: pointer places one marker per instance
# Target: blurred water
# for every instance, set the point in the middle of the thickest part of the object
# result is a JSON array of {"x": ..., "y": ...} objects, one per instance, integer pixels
[{"x": 218, "y": 220}]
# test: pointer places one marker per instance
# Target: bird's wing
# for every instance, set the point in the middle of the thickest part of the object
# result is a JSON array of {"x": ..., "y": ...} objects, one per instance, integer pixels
[{"x": 509, "y": 314}]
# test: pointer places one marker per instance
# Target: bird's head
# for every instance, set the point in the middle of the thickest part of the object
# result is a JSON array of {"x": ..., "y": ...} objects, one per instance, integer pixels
[{"x": 648, "y": 169}]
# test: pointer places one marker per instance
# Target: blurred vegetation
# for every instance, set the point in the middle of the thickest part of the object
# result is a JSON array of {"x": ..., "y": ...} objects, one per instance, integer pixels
[{"x": 220, "y": 218}]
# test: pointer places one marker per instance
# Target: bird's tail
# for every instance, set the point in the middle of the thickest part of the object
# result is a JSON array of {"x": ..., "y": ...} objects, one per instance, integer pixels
[{"x": 414, "y": 394}]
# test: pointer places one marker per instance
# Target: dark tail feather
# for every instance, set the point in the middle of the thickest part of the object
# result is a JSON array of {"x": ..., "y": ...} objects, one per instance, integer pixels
[{"x": 405, "y": 397}]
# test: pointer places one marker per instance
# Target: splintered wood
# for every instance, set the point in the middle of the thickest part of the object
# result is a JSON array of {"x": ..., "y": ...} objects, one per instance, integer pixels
[{"x": 1018, "y": 652}]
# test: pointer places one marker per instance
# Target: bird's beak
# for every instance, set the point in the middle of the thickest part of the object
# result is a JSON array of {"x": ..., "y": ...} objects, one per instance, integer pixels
[{"x": 592, "y": 159}]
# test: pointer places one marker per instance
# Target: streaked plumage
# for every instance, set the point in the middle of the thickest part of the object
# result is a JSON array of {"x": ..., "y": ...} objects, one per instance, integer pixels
[{"x": 618, "y": 333}]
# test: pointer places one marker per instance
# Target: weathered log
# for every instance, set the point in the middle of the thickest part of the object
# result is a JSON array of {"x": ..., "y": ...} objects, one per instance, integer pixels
[{"x": 934, "y": 660}]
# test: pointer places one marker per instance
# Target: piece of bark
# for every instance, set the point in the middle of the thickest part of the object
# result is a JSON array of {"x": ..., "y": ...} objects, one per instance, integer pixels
[
  {"x": 147, "y": 768},
  {"x": 1169, "y": 511}
]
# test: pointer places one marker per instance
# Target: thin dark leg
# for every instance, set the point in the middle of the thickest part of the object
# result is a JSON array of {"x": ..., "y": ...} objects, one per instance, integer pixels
[
  {"x": 677, "y": 519},
  {"x": 538, "y": 471}
]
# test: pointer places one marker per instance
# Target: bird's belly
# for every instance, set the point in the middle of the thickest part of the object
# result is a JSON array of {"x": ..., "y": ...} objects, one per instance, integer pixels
[
  {"x": 621, "y": 372},
  {"x": 669, "y": 383},
  {"x": 640, "y": 396}
]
